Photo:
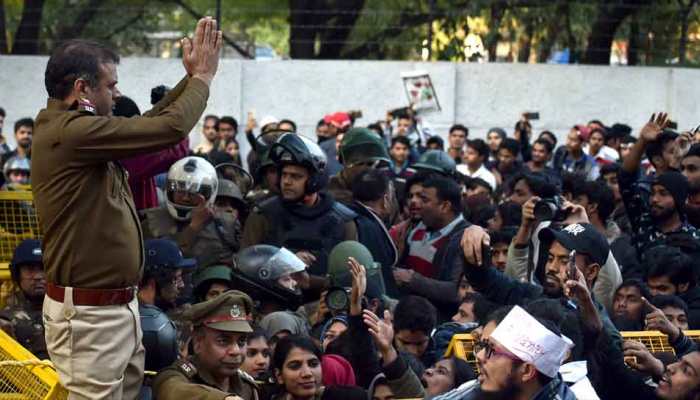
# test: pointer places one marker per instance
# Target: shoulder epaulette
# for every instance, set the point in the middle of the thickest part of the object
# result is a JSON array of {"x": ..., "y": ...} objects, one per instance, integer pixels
[{"x": 187, "y": 368}]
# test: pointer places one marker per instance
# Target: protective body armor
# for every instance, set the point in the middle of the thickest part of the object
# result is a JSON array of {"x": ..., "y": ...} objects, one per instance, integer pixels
[
  {"x": 316, "y": 229},
  {"x": 159, "y": 337}
]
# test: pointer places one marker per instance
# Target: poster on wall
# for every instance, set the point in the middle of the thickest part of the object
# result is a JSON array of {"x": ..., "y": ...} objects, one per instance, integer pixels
[{"x": 420, "y": 91}]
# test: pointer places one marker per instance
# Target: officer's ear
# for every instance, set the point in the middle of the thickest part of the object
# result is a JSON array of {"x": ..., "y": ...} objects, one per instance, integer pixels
[{"x": 80, "y": 87}]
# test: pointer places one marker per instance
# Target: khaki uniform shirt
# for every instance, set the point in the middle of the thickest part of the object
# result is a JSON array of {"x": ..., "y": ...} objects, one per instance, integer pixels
[
  {"x": 92, "y": 236},
  {"x": 184, "y": 380}
]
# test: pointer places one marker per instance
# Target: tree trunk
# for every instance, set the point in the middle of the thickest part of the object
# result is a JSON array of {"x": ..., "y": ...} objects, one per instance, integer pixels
[
  {"x": 526, "y": 42},
  {"x": 4, "y": 49},
  {"x": 494, "y": 36},
  {"x": 27, "y": 37},
  {"x": 633, "y": 43},
  {"x": 685, "y": 17},
  {"x": 552, "y": 32},
  {"x": 570, "y": 38},
  {"x": 76, "y": 28},
  {"x": 336, "y": 34},
  {"x": 611, "y": 14},
  {"x": 303, "y": 28}
]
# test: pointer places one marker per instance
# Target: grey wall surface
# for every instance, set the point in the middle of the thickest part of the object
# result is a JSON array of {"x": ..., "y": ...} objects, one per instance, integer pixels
[{"x": 478, "y": 95}]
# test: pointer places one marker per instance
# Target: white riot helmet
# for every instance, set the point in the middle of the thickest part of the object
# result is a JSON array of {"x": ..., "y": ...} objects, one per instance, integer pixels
[
  {"x": 17, "y": 164},
  {"x": 194, "y": 175}
]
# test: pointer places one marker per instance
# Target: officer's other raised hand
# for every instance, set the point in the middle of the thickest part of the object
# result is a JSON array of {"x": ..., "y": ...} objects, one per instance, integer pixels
[{"x": 201, "y": 53}]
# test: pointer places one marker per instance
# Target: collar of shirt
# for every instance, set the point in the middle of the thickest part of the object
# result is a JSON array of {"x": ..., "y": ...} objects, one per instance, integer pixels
[{"x": 446, "y": 229}]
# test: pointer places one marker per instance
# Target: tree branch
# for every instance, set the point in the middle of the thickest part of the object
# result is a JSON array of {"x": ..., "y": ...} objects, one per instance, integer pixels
[
  {"x": 86, "y": 14},
  {"x": 228, "y": 40}
]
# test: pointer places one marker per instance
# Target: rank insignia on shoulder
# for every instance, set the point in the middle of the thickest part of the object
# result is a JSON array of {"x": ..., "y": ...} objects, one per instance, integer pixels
[
  {"x": 84, "y": 105},
  {"x": 187, "y": 368}
]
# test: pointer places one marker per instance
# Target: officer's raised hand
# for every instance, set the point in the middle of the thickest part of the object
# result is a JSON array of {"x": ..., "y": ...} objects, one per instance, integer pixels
[
  {"x": 202, "y": 214},
  {"x": 201, "y": 53}
]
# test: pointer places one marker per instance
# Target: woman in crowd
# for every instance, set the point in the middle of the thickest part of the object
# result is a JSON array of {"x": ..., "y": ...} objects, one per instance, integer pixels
[{"x": 257, "y": 356}]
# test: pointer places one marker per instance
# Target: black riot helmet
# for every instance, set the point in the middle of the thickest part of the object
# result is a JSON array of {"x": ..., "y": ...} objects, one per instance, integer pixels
[
  {"x": 258, "y": 270},
  {"x": 159, "y": 338},
  {"x": 294, "y": 149}
]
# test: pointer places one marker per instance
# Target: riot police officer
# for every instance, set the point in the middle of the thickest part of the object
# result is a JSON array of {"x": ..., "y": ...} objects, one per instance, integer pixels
[
  {"x": 301, "y": 218},
  {"x": 21, "y": 318},
  {"x": 211, "y": 282},
  {"x": 219, "y": 338},
  {"x": 271, "y": 276},
  {"x": 17, "y": 171},
  {"x": 160, "y": 286},
  {"x": 437, "y": 161},
  {"x": 190, "y": 217}
]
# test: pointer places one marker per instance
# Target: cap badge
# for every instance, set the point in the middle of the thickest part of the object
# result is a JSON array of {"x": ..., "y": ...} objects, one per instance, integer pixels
[
  {"x": 574, "y": 229},
  {"x": 36, "y": 252},
  {"x": 236, "y": 311}
]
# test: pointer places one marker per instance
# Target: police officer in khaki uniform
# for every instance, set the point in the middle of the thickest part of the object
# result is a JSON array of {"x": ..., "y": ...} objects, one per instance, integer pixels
[
  {"x": 219, "y": 338},
  {"x": 92, "y": 244}
]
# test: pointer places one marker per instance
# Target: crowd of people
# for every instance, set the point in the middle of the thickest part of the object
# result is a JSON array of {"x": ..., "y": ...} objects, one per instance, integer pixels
[{"x": 340, "y": 264}]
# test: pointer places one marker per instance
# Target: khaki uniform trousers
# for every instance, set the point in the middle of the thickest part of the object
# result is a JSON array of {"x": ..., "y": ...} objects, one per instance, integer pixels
[{"x": 96, "y": 350}]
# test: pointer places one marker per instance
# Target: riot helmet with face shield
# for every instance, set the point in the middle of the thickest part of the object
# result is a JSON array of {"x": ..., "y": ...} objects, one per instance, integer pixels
[{"x": 264, "y": 271}]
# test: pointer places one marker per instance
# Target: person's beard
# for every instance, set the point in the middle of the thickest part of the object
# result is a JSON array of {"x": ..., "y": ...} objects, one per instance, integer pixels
[
  {"x": 508, "y": 393},
  {"x": 625, "y": 324},
  {"x": 551, "y": 290},
  {"x": 693, "y": 215},
  {"x": 659, "y": 216}
]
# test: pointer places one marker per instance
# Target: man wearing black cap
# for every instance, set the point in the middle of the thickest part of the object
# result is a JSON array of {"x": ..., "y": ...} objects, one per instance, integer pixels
[
  {"x": 657, "y": 217},
  {"x": 160, "y": 286},
  {"x": 21, "y": 318},
  {"x": 219, "y": 339}
]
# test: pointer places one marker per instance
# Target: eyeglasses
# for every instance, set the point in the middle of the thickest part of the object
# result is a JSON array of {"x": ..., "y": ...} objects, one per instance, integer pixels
[{"x": 490, "y": 350}]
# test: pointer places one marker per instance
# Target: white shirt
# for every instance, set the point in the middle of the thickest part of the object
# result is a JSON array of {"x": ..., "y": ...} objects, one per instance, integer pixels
[{"x": 482, "y": 173}]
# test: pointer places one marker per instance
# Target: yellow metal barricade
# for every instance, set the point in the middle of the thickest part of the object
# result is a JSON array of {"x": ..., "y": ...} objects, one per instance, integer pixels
[
  {"x": 18, "y": 221},
  {"x": 23, "y": 376},
  {"x": 462, "y": 346}
]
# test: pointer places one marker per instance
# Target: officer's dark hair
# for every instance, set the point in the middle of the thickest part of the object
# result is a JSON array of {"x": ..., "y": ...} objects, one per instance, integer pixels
[
  {"x": 415, "y": 313},
  {"x": 376, "y": 128},
  {"x": 656, "y": 147},
  {"x": 161, "y": 275},
  {"x": 125, "y": 107},
  {"x": 215, "y": 118},
  {"x": 459, "y": 127},
  {"x": 227, "y": 119},
  {"x": 400, "y": 139},
  {"x": 158, "y": 92},
  {"x": 76, "y": 59},
  {"x": 287, "y": 344},
  {"x": 287, "y": 121},
  {"x": 24, "y": 122},
  {"x": 612, "y": 168},
  {"x": 599, "y": 193},
  {"x": 447, "y": 190},
  {"x": 551, "y": 136},
  {"x": 511, "y": 145},
  {"x": 635, "y": 283},
  {"x": 369, "y": 185},
  {"x": 2, "y": 112},
  {"x": 668, "y": 300},
  {"x": 669, "y": 261},
  {"x": 480, "y": 147},
  {"x": 546, "y": 143}
]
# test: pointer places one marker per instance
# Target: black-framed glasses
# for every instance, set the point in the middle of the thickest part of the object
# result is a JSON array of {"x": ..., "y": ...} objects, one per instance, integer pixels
[{"x": 490, "y": 350}]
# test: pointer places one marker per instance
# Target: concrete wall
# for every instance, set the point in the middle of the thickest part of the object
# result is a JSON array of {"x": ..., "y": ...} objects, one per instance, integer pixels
[{"x": 478, "y": 95}]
